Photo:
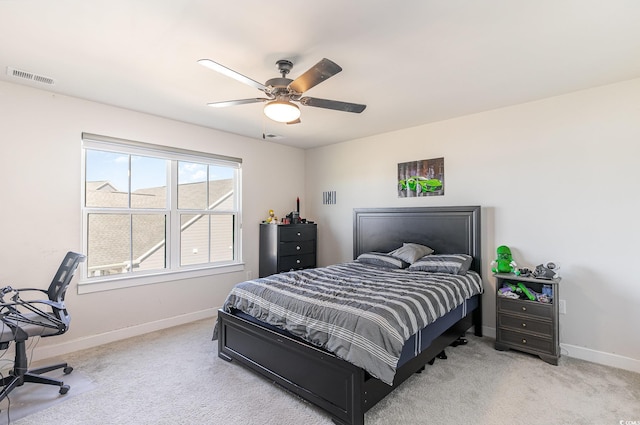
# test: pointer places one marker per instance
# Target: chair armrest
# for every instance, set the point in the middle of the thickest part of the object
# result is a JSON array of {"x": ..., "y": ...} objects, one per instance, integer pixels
[
  {"x": 16, "y": 292},
  {"x": 29, "y": 289},
  {"x": 47, "y": 302},
  {"x": 10, "y": 314},
  {"x": 20, "y": 302},
  {"x": 12, "y": 306}
]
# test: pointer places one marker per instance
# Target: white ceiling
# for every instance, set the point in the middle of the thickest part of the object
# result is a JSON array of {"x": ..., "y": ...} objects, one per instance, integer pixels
[{"x": 410, "y": 61}]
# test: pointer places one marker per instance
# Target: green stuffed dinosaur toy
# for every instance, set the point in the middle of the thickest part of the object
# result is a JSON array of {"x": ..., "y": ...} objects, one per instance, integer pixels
[{"x": 504, "y": 263}]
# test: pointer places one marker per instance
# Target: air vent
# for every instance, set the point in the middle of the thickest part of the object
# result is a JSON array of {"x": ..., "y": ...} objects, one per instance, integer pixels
[
  {"x": 25, "y": 75},
  {"x": 271, "y": 136}
]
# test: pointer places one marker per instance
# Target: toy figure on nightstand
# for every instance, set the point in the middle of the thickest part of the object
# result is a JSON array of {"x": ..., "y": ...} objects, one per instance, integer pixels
[
  {"x": 504, "y": 263},
  {"x": 272, "y": 218}
]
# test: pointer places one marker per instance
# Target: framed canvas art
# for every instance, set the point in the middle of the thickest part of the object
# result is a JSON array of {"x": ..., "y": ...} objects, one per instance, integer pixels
[{"x": 421, "y": 178}]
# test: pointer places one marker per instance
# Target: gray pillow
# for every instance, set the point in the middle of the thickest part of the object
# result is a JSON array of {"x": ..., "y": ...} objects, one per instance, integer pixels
[
  {"x": 443, "y": 263},
  {"x": 411, "y": 252},
  {"x": 382, "y": 260}
]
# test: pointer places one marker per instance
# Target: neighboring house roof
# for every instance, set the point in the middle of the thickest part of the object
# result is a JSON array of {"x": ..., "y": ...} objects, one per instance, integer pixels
[
  {"x": 109, "y": 241},
  {"x": 101, "y": 186}
]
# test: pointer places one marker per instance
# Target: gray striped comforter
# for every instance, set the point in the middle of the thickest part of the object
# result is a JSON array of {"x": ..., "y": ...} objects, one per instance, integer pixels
[{"x": 361, "y": 313}]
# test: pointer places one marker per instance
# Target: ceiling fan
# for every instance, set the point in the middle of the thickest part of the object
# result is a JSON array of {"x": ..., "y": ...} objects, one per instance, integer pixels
[{"x": 281, "y": 92}]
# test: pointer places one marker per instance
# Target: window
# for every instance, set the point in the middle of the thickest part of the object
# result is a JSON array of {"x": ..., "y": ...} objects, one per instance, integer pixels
[{"x": 155, "y": 211}]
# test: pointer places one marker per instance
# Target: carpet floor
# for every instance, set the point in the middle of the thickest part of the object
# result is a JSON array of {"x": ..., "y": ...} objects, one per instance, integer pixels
[
  {"x": 30, "y": 398},
  {"x": 174, "y": 376}
]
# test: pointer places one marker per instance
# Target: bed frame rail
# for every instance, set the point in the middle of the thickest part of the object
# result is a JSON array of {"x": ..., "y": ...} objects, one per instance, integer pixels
[
  {"x": 341, "y": 389},
  {"x": 313, "y": 374}
]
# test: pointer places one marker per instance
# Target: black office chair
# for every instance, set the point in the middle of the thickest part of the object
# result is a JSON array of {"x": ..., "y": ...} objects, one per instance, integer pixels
[{"x": 22, "y": 319}]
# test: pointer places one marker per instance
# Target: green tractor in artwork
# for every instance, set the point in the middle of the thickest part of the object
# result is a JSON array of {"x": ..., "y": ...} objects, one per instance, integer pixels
[{"x": 420, "y": 184}]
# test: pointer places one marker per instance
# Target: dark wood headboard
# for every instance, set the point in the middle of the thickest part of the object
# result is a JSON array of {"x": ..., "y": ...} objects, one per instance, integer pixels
[{"x": 447, "y": 230}]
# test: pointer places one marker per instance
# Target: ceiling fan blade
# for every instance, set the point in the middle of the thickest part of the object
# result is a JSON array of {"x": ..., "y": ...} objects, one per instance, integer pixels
[
  {"x": 332, "y": 104},
  {"x": 315, "y": 75},
  {"x": 231, "y": 73},
  {"x": 236, "y": 102}
]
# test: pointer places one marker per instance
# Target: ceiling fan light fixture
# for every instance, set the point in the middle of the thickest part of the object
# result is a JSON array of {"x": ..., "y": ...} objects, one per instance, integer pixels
[{"x": 282, "y": 111}]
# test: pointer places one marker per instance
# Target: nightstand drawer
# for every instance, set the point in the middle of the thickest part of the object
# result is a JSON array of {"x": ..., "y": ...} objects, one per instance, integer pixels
[
  {"x": 297, "y": 233},
  {"x": 293, "y": 262},
  {"x": 296, "y": 248},
  {"x": 524, "y": 323},
  {"x": 530, "y": 308},
  {"x": 526, "y": 341}
]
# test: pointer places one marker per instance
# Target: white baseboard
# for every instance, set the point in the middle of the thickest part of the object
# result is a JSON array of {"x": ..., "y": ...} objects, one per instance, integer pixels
[
  {"x": 600, "y": 357},
  {"x": 55, "y": 350},
  {"x": 582, "y": 353}
]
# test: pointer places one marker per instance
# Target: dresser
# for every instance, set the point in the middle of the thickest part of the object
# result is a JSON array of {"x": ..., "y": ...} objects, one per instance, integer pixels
[
  {"x": 525, "y": 325},
  {"x": 285, "y": 247}
]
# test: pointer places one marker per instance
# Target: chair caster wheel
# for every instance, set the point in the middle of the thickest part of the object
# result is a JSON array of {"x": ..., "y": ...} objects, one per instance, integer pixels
[
  {"x": 67, "y": 370},
  {"x": 64, "y": 389}
]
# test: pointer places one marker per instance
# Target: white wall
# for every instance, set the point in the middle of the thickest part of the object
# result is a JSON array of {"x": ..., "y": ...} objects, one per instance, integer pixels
[
  {"x": 557, "y": 180},
  {"x": 40, "y": 216}
]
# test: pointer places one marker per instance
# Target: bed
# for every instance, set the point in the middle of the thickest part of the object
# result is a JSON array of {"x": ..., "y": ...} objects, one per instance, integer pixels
[{"x": 344, "y": 389}]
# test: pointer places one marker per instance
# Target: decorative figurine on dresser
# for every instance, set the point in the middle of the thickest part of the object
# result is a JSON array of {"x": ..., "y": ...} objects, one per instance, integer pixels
[
  {"x": 527, "y": 313},
  {"x": 285, "y": 247}
]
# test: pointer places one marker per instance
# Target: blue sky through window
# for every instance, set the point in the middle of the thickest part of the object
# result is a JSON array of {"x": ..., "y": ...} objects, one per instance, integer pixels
[{"x": 146, "y": 172}]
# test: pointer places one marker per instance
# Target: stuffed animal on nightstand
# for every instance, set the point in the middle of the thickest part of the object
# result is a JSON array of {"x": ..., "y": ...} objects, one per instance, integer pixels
[{"x": 504, "y": 263}]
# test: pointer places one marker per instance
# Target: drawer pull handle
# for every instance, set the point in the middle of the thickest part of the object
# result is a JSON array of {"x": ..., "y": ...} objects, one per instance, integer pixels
[
  {"x": 524, "y": 325},
  {"x": 298, "y": 261},
  {"x": 297, "y": 248},
  {"x": 524, "y": 341},
  {"x": 524, "y": 308}
]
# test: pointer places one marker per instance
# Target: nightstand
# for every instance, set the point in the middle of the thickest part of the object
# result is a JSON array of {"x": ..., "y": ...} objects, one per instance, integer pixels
[{"x": 525, "y": 325}]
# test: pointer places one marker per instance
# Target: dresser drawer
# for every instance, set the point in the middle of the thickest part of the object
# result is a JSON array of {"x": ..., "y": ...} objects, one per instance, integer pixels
[
  {"x": 524, "y": 323},
  {"x": 293, "y": 262},
  {"x": 297, "y": 233},
  {"x": 529, "y": 308},
  {"x": 525, "y": 341},
  {"x": 296, "y": 248}
]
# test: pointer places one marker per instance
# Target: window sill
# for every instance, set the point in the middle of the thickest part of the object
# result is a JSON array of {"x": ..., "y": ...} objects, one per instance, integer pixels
[{"x": 86, "y": 286}]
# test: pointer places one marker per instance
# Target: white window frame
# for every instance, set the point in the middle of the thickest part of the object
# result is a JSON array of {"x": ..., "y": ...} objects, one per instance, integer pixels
[{"x": 173, "y": 270}]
